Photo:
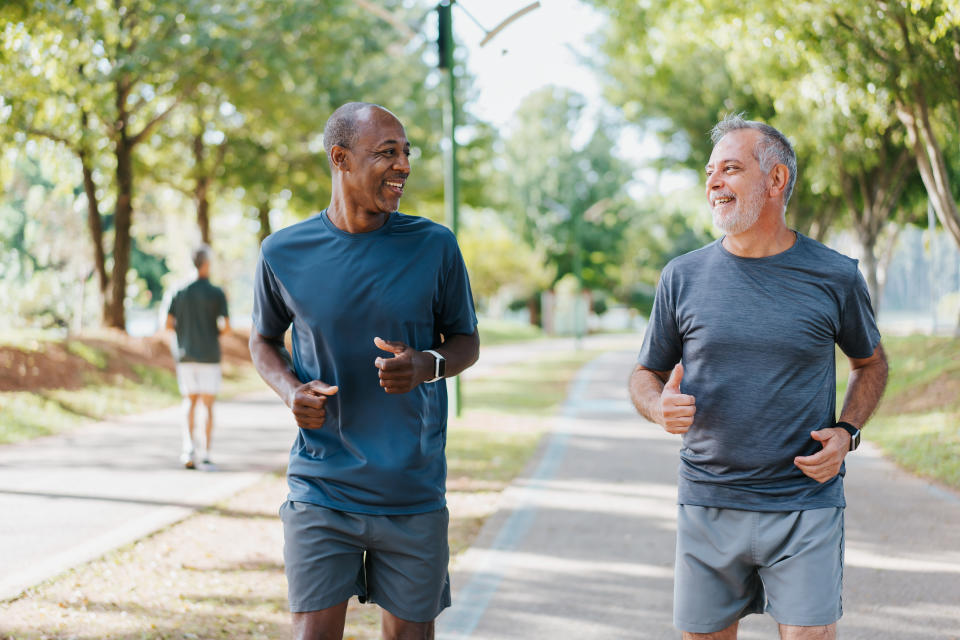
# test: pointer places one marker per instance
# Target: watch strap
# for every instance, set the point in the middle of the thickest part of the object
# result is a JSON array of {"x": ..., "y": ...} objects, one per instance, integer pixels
[
  {"x": 439, "y": 365},
  {"x": 854, "y": 434}
]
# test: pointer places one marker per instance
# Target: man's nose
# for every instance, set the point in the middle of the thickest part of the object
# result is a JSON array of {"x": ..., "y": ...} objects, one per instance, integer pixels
[{"x": 402, "y": 163}]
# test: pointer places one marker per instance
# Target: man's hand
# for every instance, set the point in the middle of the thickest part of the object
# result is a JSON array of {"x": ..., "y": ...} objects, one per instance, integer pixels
[
  {"x": 309, "y": 403},
  {"x": 825, "y": 464},
  {"x": 677, "y": 408},
  {"x": 405, "y": 370}
]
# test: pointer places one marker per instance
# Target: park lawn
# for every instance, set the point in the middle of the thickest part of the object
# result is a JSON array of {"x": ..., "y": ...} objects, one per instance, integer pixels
[{"x": 918, "y": 422}]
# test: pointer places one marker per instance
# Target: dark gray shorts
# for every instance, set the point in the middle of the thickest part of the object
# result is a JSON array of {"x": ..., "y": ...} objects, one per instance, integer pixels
[
  {"x": 731, "y": 563},
  {"x": 398, "y": 562}
]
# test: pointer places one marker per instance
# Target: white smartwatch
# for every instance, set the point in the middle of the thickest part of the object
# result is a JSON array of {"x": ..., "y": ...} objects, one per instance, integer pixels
[{"x": 439, "y": 365}]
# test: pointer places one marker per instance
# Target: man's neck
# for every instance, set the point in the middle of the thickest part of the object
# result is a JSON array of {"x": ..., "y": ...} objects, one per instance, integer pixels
[
  {"x": 354, "y": 220},
  {"x": 767, "y": 237}
]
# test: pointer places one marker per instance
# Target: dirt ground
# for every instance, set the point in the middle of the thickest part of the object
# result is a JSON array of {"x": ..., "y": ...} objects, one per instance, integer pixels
[
  {"x": 216, "y": 574},
  {"x": 60, "y": 364}
]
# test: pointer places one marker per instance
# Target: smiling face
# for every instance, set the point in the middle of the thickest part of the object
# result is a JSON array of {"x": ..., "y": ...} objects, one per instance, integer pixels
[
  {"x": 737, "y": 189},
  {"x": 378, "y": 165}
]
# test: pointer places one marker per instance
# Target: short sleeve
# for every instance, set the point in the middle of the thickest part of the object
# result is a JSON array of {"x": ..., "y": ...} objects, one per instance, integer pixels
[
  {"x": 859, "y": 335},
  {"x": 271, "y": 315},
  {"x": 174, "y": 305},
  {"x": 662, "y": 347},
  {"x": 455, "y": 310},
  {"x": 223, "y": 304}
]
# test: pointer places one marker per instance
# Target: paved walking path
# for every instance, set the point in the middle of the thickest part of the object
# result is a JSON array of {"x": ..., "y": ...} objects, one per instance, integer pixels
[
  {"x": 70, "y": 498},
  {"x": 581, "y": 548},
  {"x": 583, "y": 545},
  {"x": 67, "y": 499}
]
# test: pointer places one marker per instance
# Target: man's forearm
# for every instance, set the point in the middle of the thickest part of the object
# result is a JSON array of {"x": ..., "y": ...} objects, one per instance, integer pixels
[
  {"x": 460, "y": 351},
  {"x": 864, "y": 388},
  {"x": 269, "y": 360},
  {"x": 645, "y": 388}
]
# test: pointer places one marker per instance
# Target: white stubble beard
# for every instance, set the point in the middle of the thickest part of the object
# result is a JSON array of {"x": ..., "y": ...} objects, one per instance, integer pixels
[{"x": 745, "y": 213}]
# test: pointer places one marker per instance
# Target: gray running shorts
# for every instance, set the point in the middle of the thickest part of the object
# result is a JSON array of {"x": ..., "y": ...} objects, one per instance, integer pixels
[
  {"x": 398, "y": 562},
  {"x": 731, "y": 563}
]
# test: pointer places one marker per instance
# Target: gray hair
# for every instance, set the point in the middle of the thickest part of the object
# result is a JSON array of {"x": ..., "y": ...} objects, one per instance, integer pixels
[
  {"x": 202, "y": 255},
  {"x": 772, "y": 148}
]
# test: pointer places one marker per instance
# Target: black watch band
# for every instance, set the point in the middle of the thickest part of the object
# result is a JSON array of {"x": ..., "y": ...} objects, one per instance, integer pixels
[
  {"x": 439, "y": 366},
  {"x": 854, "y": 434}
]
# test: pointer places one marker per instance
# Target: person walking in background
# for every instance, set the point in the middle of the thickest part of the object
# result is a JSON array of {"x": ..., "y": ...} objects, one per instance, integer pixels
[
  {"x": 198, "y": 315},
  {"x": 382, "y": 312},
  {"x": 738, "y": 358}
]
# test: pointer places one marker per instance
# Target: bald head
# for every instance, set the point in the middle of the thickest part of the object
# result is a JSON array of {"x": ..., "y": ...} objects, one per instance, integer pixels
[{"x": 343, "y": 126}]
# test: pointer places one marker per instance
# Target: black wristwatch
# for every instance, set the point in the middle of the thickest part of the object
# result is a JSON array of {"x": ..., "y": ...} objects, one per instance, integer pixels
[
  {"x": 439, "y": 365},
  {"x": 854, "y": 434}
]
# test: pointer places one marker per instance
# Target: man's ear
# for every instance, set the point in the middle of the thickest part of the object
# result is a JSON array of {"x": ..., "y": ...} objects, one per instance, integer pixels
[
  {"x": 339, "y": 157},
  {"x": 779, "y": 177}
]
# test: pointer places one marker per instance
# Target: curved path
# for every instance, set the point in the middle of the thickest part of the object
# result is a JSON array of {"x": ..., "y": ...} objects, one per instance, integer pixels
[{"x": 582, "y": 546}]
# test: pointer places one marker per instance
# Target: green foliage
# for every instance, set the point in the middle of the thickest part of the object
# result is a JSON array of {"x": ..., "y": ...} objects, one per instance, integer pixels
[
  {"x": 916, "y": 424},
  {"x": 568, "y": 200}
]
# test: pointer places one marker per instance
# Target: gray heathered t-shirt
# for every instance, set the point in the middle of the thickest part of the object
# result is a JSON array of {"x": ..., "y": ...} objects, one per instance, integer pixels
[{"x": 756, "y": 337}]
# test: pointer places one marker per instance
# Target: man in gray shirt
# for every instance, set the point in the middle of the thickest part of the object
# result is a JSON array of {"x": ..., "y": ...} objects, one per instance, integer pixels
[{"x": 738, "y": 358}]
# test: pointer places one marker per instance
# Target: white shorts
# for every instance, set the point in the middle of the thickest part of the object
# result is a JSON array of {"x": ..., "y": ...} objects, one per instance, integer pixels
[{"x": 196, "y": 378}]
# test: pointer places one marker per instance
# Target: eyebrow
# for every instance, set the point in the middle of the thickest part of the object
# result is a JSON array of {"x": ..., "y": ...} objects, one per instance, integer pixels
[
  {"x": 385, "y": 142},
  {"x": 724, "y": 161}
]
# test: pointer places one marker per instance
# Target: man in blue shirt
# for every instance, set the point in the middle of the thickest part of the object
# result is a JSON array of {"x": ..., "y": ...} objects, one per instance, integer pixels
[
  {"x": 738, "y": 358},
  {"x": 382, "y": 311}
]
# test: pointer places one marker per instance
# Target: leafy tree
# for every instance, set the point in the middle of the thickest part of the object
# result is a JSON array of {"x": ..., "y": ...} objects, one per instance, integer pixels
[{"x": 568, "y": 201}]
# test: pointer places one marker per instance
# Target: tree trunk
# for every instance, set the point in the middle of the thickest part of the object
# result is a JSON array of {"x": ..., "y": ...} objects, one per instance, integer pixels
[
  {"x": 122, "y": 224},
  {"x": 263, "y": 214},
  {"x": 95, "y": 225},
  {"x": 201, "y": 188},
  {"x": 930, "y": 162}
]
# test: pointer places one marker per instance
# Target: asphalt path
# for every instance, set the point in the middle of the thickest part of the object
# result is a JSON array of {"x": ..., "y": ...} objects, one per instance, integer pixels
[
  {"x": 70, "y": 498},
  {"x": 582, "y": 545}
]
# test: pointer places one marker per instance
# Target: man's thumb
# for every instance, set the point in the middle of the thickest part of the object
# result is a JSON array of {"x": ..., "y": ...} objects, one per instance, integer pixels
[
  {"x": 323, "y": 388},
  {"x": 676, "y": 376},
  {"x": 386, "y": 345}
]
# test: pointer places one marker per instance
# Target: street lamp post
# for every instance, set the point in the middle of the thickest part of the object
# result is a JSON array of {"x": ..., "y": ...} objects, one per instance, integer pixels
[{"x": 451, "y": 174}]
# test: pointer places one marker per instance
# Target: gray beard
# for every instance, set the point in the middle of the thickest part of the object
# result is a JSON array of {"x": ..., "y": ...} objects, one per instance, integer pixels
[{"x": 745, "y": 214}]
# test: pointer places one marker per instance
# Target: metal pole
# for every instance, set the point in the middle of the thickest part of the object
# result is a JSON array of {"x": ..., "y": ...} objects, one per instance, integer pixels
[{"x": 451, "y": 187}]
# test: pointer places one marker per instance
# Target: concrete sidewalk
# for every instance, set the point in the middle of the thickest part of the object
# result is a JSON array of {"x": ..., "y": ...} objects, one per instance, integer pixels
[
  {"x": 67, "y": 499},
  {"x": 583, "y": 545}
]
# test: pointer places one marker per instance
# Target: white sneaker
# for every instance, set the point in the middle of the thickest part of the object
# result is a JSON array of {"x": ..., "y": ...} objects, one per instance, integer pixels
[{"x": 186, "y": 459}]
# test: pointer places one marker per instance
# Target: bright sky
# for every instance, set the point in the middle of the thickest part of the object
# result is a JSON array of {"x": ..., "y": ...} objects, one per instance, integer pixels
[
  {"x": 541, "y": 48},
  {"x": 535, "y": 50}
]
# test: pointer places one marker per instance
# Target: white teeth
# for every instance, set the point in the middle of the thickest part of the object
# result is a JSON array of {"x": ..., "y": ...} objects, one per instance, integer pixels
[
  {"x": 398, "y": 185},
  {"x": 723, "y": 200}
]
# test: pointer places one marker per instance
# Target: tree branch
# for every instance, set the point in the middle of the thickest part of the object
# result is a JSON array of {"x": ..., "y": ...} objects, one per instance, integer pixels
[{"x": 150, "y": 126}]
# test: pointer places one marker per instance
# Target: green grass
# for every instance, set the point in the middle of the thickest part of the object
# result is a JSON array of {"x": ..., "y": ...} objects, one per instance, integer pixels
[
  {"x": 488, "y": 456},
  {"x": 494, "y": 332},
  {"x": 527, "y": 387},
  {"x": 925, "y": 440},
  {"x": 96, "y": 357}
]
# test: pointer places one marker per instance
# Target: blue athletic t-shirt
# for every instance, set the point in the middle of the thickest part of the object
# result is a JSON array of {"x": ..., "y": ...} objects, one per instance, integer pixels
[
  {"x": 756, "y": 337},
  {"x": 376, "y": 453}
]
